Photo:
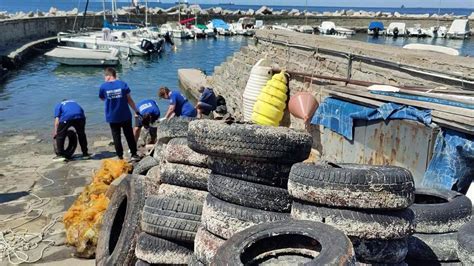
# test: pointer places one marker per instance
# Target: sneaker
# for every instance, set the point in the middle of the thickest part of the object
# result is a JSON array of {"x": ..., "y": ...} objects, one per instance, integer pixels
[
  {"x": 86, "y": 156},
  {"x": 59, "y": 159},
  {"x": 120, "y": 157}
]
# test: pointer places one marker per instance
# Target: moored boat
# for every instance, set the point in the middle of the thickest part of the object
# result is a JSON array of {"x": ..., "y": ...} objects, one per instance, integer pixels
[{"x": 84, "y": 57}]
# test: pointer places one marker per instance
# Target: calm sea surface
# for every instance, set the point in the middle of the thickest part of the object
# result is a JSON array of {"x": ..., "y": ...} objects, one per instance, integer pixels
[{"x": 29, "y": 95}]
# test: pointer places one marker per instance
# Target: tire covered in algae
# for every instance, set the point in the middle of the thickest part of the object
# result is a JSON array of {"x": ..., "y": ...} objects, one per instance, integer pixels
[
  {"x": 288, "y": 243},
  {"x": 176, "y": 127},
  {"x": 144, "y": 165},
  {"x": 185, "y": 175},
  {"x": 120, "y": 223},
  {"x": 440, "y": 211},
  {"x": 156, "y": 250},
  {"x": 178, "y": 151},
  {"x": 466, "y": 243},
  {"x": 352, "y": 185},
  {"x": 380, "y": 251},
  {"x": 249, "y": 194},
  {"x": 182, "y": 193},
  {"x": 71, "y": 137},
  {"x": 224, "y": 219},
  {"x": 366, "y": 224},
  {"x": 433, "y": 247},
  {"x": 206, "y": 245},
  {"x": 251, "y": 142}
]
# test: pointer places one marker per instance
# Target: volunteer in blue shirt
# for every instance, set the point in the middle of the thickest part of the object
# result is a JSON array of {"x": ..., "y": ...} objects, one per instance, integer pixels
[
  {"x": 69, "y": 113},
  {"x": 116, "y": 95},
  {"x": 149, "y": 113},
  {"x": 179, "y": 105},
  {"x": 207, "y": 103}
]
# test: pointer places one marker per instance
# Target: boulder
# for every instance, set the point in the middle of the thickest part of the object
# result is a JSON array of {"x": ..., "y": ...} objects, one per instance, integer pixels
[
  {"x": 237, "y": 12},
  {"x": 350, "y": 12},
  {"x": 397, "y": 15},
  {"x": 61, "y": 13},
  {"x": 293, "y": 12},
  {"x": 471, "y": 16},
  {"x": 195, "y": 9},
  {"x": 284, "y": 12},
  {"x": 308, "y": 14},
  {"x": 277, "y": 13},
  {"x": 378, "y": 14},
  {"x": 339, "y": 13},
  {"x": 217, "y": 10},
  {"x": 250, "y": 12},
  {"x": 73, "y": 12},
  {"x": 31, "y": 14},
  {"x": 52, "y": 10},
  {"x": 371, "y": 14},
  {"x": 327, "y": 14},
  {"x": 387, "y": 14},
  {"x": 264, "y": 10}
]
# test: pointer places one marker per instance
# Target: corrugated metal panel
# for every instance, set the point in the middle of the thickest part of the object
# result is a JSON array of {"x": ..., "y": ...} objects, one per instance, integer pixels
[{"x": 397, "y": 142}]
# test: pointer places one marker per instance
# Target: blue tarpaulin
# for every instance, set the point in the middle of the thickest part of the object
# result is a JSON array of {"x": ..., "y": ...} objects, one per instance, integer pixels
[
  {"x": 219, "y": 23},
  {"x": 339, "y": 115},
  {"x": 452, "y": 162},
  {"x": 376, "y": 24}
]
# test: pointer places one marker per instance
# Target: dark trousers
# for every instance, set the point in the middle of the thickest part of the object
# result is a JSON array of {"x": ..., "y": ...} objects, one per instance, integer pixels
[
  {"x": 79, "y": 125},
  {"x": 126, "y": 126}
]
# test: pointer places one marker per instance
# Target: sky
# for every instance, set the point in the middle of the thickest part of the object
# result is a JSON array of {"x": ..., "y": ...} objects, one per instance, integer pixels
[{"x": 342, "y": 3}]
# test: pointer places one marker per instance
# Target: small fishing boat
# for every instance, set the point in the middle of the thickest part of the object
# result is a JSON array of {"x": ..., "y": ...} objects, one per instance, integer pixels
[
  {"x": 397, "y": 29},
  {"x": 432, "y": 48},
  {"x": 417, "y": 31},
  {"x": 437, "y": 32},
  {"x": 459, "y": 29},
  {"x": 84, "y": 57},
  {"x": 221, "y": 27},
  {"x": 327, "y": 28},
  {"x": 376, "y": 28}
]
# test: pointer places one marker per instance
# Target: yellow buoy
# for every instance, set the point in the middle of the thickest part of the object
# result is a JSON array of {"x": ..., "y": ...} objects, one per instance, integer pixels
[{"x": 271, "y": 102}]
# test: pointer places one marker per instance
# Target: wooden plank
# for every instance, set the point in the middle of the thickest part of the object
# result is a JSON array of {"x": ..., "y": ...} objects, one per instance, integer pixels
[{"x": 426, "y": 105}]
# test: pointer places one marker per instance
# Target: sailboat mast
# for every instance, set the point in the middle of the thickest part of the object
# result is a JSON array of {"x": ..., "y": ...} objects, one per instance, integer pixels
[
  {"x": 179, "y": 11},
  {"x": 146, "y": 13},
  {"x": 85, "y": 14},
  {"x": 103, "y": 8},
  {"x": 306, "y": 15}
]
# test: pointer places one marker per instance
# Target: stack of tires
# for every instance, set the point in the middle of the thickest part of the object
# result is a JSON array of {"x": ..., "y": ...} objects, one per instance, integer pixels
[
  {"x": 171, "y": 218},
  {"x": 368, "y": 203},
  {"x": 439, "y": 214},
  {"x": 250, "y": 166}
]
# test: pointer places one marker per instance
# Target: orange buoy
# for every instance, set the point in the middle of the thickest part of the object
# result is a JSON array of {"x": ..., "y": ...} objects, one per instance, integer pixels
[{"x": 302, "y": 105}]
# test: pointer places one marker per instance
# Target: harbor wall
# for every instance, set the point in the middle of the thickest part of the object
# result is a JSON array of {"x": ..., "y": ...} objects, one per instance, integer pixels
[
  {"x": 398, "y": 142},
  {"x": 16, "y": 32}
]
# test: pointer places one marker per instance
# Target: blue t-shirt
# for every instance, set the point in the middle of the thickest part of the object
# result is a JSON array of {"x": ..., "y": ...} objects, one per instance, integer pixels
[
  {"x": 148, "y": 107},
  {"x": 68, "y": 110},
  {"x": 183, "y": 107},
  {"x": 116, "y": 104},
  {"x": 209, "y": 97}
]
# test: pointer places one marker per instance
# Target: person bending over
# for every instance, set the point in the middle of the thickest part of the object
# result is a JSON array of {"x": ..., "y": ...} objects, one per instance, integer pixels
[
  {"x": 69, "y": 113},
  {"x": 179, "y": 105},
  {"x": 207, "y": 103},
  {"x": 116, "y": 95},
  {"x": 149, "y": 113}
]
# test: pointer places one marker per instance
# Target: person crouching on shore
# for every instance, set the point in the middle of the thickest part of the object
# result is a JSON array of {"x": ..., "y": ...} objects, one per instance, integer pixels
[
  {"x": 116, "y": 95},
  {"x": 149, "y": 113},
  {"x": 69, "y": 113},
  {"x": 179, "y": 105},
  {"x": 207, "y": 102}
]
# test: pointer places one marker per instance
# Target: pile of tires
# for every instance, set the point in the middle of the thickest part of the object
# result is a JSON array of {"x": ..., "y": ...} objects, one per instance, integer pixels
[
  {"x": 368, "y": 203},
  {"x": 248, "y": 185},
  {"x": 439, "y": 214},
  {"x": 171, "y": 217}
]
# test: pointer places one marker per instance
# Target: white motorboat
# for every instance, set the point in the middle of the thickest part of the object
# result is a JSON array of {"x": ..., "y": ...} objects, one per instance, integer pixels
[
  {"x": 305, "y": 29},
  {"x": 437, "y": 32},
  {"x": 432, "y": 48},
  {"x": 459, "y": 29},
  {"x": 417, "y": 31},
  {"x": 84, "y": 57},
  {"x": 376, "y": 28},
  {"x": 397, "y": 29},
  {"x": 327, "y": 28}
]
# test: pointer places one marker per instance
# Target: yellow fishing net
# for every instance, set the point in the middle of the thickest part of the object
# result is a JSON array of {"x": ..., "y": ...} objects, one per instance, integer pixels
[{"x": 83, "y": 219}]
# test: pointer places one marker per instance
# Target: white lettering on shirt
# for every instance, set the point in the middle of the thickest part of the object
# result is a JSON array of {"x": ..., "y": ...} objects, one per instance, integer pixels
[
  {"x": 144, "y": 106},
  {"x": 114, "y": 94}
]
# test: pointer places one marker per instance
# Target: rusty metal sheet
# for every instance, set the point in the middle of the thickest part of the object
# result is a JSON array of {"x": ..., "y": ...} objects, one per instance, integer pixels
[{"x": 396, "y": 142}]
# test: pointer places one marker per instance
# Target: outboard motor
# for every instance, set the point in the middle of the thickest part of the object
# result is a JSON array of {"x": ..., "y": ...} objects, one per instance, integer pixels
[
  {"x": 168, "y": 38},
  {"x": 376, "y": 32},
  {"x": 332, "y": 31},
  {"x": 395, "y": 32},
  {"x": 147, "y": 45}
]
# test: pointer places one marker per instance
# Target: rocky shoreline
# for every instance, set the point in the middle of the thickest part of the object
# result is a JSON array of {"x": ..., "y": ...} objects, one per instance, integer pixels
[{"x": 262, "y": 11}]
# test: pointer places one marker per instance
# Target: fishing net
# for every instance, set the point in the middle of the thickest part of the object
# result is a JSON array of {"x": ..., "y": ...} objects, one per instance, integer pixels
[{"x": 83, "y": 219}]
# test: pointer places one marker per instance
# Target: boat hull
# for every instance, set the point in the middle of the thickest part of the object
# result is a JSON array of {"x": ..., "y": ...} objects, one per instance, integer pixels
[{"x": 85, "y": 62}]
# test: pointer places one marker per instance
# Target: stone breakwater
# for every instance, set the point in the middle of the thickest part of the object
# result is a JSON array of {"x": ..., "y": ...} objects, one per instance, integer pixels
[{"x": 262, "y": 11}]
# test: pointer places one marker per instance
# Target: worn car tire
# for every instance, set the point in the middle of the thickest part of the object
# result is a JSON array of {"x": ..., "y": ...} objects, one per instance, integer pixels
[
  {"x": 266, "y": 173},
  {"x": 440, "y": 211},
  {"x": 144, "y": 165},
  {"x": 206, "y": 245},
  {"x": 182, "y": 193},
  {"x": 195, "y": 262},
  {"x": 171, "y": 219},
  {"x": 433, "y": 247},
  {"x": 71, "y": 137},
  {"x": 249, "y": 194},
  {"x": 176, "y": 127},
  {"x": 158, "y": 151},
  {"x": 366, "y": 224},
  {"x": 466, "y": 243},
  {"x": 352, "y": 185},
  {"x": 185, "y": 175},
  {"x": 251, "y": 142},
  {"x": 224, "y": 219},
  {"x": 156, "y": 250},
  {"x": 178, "y": 151},
  {"x": 290, "y": 241},
  {"x": 120, "y": 223},
  {"x": 378, "y": 251},
  {"x": 153, "y": 180}
]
